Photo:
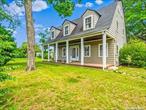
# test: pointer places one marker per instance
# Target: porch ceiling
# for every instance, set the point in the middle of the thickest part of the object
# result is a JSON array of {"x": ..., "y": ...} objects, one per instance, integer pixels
[
  {"x": 93, "y": 38},
  {"x": 76, "y": 41}
]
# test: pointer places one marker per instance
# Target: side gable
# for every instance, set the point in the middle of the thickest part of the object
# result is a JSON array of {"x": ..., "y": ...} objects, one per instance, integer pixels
[{"x": 117, "y": 27}]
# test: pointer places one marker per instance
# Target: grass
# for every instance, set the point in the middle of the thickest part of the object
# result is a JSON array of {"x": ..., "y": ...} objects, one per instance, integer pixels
[{"x": 65, "y": 87}]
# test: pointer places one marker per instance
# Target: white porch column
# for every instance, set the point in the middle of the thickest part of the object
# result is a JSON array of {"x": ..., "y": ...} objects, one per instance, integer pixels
[
  {"x": 104, "y": 50},
  {"x": 82, "y": 51},
  {"x": 48, "y": 52},
  {"x": 42, "y": 54},
  {"x": 67, "y": 51},
  {"x": 56, "y": 52}
]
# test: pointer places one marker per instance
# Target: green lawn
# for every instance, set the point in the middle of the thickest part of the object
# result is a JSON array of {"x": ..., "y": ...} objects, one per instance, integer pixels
[{"x": 65, "y": 87}]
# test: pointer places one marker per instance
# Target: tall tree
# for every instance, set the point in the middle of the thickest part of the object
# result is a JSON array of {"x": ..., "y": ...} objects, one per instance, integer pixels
[
  {"x": 63, "y": 7},
  {"x": 135, "y": 16},
  {"x": 30, "y": 35}
]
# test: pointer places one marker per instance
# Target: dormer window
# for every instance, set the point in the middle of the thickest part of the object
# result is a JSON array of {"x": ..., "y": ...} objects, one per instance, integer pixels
[
  {"x": 88, "y": 22},
  {"x": 66, "y": 30},
  {"x": 52, "y": 35},
  {"x": 54, "y": 32}
]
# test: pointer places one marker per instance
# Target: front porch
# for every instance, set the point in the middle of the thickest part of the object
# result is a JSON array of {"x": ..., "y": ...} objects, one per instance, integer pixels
[
  {"x": 90, "y": 65},
  {"x": 95, "y": 51}
]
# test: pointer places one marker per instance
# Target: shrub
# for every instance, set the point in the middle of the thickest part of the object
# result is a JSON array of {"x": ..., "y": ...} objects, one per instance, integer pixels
[
  {"x": 4, "y": 77},
  {"x": 19, "y": 53},
  {"x": 134, "y": 53}
]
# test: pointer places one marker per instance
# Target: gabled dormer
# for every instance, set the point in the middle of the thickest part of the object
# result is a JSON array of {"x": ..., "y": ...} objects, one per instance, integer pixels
[
  {"x": 90, "y": 19},
  {"x": 54, "y": 32},
  {"x": 68, "y": 27}
]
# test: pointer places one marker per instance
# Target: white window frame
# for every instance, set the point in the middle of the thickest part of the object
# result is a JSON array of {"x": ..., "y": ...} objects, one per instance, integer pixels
[
  {"x": 89, "y": 50},
  {"x": 51, "y": 34},
  {"x": 64, "y": 30},
  {"x": 92, "y": 25},
  {"x": 77, "y": 50},
  {"x": 63, "y": 51},
  {"x": 100, "y": 52}
]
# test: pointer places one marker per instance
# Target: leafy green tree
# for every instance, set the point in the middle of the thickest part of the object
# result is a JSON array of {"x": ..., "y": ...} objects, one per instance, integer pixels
[
  {"x": 135, "y": 15},
  {"x": 63, "y": 7},
  {"x": 21, "y": 52},
  {"x": 7, "y": 46},
  {"x": 4, "y": 15},
  {"x": 42, "y": 41},
  {"x": 43, "y": 38}
]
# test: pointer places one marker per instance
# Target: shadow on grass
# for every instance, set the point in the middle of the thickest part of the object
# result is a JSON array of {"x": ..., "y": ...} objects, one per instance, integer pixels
[
  {"x": 73, "y": 80},
  {"x": 51, "y": 63},
  {"x": 16, "y": 64},
  {"x": 37, "y": 63}
]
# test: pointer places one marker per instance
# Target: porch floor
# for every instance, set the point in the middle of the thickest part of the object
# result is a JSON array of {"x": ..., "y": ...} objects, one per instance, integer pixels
[{"x": 90, "y": 65}]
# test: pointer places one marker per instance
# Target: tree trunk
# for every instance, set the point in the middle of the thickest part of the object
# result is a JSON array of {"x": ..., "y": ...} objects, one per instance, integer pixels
[{"x": 30, "y": 36}]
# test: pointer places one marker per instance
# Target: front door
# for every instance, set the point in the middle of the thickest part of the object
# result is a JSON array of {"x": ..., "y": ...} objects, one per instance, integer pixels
[{"x": 75, "y": 53}]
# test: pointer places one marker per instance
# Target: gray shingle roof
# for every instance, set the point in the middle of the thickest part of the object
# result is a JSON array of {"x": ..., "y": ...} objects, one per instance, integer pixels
[{"x": 103, "y": 23}]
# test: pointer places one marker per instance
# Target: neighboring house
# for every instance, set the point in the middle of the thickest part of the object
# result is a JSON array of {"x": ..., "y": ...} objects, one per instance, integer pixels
[{"x": 94, "y": 39}]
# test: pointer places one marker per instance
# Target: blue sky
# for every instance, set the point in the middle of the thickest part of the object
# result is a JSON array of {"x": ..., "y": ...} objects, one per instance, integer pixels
[{"x": 45, "y": 16}]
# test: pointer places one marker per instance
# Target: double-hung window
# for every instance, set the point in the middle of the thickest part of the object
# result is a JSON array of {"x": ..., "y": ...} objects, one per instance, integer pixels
[
  {"x": 66, "y": 30},
  {"x": 52, "y": 35},
  {"x": 63, "y": 52},
  {"x": 87, "y": 50},
  {"x": 88, "y": 23},
  {"x": 100, "y": 50}
]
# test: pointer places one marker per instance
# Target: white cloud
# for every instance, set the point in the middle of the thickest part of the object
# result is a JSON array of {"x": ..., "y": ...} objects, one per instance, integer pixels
[
  {"x": 14, "y": 32},
  {"x": 99, "y": 2},
  {"x": 79, "y": 5},
  {"x": 39, "y": 5},
  {"x": 38, "y": 28},
  {"x": 15, "y": 10},
  {"x": 88, "y": 4}
]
